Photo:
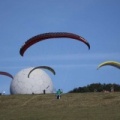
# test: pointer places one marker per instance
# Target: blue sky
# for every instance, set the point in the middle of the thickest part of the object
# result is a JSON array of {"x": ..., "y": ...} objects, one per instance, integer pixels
[{"x": 98, "y": 21}]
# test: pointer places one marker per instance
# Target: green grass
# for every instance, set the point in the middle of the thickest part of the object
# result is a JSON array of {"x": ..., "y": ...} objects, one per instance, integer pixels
[{"x": 72, "y": 106}]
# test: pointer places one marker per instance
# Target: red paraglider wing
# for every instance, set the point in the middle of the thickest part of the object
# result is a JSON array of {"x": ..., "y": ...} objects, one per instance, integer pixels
[
  {"x": 6, "y": 74},
  {"x": 45, "y": 36},
  {"x": 44, "y": 67}
]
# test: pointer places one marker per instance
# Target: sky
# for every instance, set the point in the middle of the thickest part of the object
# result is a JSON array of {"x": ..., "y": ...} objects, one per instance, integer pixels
[{"x": 98, "y": 21}]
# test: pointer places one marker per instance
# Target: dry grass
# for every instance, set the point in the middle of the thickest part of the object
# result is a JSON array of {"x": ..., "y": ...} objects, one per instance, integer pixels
[{"x": 79, "y": 106}]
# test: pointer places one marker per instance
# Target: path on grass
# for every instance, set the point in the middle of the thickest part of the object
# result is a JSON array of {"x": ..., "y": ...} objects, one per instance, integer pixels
[{"x": 29, "y": 100}]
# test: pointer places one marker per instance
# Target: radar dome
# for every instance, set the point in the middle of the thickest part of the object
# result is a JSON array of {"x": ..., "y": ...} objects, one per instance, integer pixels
[{"x": 38, "y": 82}]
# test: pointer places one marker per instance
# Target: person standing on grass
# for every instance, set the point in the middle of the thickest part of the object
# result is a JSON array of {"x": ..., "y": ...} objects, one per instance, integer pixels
[{"x": 58, "y": 93}]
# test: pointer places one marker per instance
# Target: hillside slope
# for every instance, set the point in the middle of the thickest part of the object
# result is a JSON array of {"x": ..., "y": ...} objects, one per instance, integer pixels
[{"x": 84, "y": 106}]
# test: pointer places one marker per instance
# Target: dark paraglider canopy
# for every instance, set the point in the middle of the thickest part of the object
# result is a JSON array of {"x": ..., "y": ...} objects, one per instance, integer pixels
[
  {"x": 42, "y": 67},
  {"x": 111, "y": 63},
  {"x": 6, "y": 74},
  {"x": 49, "y": 35}
]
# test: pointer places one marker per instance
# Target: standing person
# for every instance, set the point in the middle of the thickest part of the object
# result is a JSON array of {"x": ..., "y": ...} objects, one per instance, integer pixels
[
  {"x": 58, "y": 93},
  {"x": 44, "y": 92}
]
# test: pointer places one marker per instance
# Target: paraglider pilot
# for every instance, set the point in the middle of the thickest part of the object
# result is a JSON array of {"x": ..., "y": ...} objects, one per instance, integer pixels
[
  {"x": 58, "y": 94},
  {"x": 44, "y": 92}
]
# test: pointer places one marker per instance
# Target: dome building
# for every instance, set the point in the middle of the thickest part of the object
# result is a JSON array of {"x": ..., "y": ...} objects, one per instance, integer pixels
[{"x": 37, "y": 83}]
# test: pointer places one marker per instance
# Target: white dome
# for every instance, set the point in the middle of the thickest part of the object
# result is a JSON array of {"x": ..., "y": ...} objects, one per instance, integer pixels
[{"x": 35, "y": 84}]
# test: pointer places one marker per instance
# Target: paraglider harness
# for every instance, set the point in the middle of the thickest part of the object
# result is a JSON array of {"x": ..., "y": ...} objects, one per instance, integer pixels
[{"x": 58, "y": 94}]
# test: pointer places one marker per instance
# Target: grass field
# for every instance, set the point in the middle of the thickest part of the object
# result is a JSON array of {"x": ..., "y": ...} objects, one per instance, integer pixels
[{"x": 72, "y": 106}]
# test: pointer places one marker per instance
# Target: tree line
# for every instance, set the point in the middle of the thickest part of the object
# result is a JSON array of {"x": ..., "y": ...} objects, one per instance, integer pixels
[{"x": 97, "y": 87}]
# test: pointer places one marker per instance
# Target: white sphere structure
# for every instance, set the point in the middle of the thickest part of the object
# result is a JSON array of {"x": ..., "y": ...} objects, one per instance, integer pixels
[{"x": 38, "y": 81}]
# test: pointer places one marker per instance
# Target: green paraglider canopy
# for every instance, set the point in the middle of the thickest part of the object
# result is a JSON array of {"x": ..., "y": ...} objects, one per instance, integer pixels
[
  {"x": 111, "y": 63},
  {"x": 42, "y": 67}
]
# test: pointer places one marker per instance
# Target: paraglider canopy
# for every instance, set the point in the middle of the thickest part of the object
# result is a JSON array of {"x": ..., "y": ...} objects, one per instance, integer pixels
[
  {"x": 6, "y": 74},
  {"x": 46, "y": 36},
  {"x": 42, "y": 67},
  {"x": 111, "y": 63}
]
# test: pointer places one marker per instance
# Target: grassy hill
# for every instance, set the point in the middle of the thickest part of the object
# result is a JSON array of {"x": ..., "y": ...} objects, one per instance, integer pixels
[{"x": 72, "y": 106}]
